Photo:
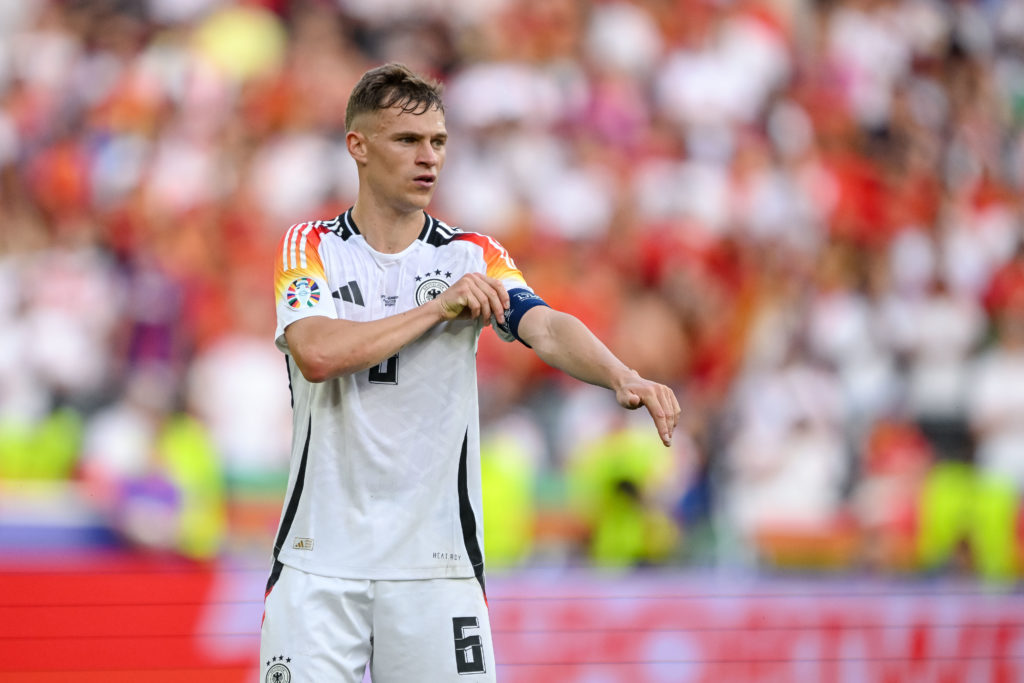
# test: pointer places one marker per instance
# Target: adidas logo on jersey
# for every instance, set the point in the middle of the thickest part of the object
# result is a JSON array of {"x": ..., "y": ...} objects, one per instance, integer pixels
[{"x": 350, "y": 293}]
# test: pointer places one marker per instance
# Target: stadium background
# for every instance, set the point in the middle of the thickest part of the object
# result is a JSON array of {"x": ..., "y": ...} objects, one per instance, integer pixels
[{"x": 804, "y": 216}]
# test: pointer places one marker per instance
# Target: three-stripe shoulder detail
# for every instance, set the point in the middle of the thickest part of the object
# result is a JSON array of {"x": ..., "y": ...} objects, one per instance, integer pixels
[
  {"x": 302, "y": 236},
  {"x": 294, "y": 245}
]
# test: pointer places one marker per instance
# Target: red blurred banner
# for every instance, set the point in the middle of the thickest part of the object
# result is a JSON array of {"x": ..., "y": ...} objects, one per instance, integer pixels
[
  {"x": 125, "y": 618},
  {"x": 686, "y": 630},
  {"x": 128, "y": 618}
]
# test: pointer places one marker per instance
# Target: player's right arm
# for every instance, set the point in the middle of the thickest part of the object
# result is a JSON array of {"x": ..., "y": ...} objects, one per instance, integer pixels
[{"x": 325, "y": 348}]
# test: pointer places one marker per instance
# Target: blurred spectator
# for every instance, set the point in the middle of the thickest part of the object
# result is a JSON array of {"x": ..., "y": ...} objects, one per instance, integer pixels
[
  {"x": 239, "y": 389},
  {"x": 841, "y": 332},
  {"x": 154, "y": 469},
  {"x": 624, "y": 486},
  {"x": 237, "y": 386},
  {"x": 45, "y": 450},
  {"x": 970, "y": 511},
  {"x": 1005, "y": 290},
  {"x": 70, "y": 308},
  {"x": 968, "y": 522},
  {"x": 509, "y": 460},
  {"x": 996, "y": 402},
  {"x": 885, "y": 501},
  {"x": 944, "y": 329},
  {"x": 786, "y": 464}
]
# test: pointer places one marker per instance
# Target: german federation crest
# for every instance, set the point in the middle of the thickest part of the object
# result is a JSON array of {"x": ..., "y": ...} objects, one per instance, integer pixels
[
  {"x": 301, "y": 292},
  {"x": 429, "y": 290},
  {"x": 278, "y": 672}
]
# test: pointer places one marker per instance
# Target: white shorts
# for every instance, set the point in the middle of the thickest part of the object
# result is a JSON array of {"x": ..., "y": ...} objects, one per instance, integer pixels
[{"x": 320, "y": 629}]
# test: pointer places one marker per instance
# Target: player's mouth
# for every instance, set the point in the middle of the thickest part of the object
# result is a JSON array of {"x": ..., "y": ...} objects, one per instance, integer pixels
[{"x": 426, "y": 180}]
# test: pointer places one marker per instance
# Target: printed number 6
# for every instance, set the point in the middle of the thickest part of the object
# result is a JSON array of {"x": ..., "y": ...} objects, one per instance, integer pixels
[
  {"x": 469, "y": 651},
  {"x": 386, "y": 372}
]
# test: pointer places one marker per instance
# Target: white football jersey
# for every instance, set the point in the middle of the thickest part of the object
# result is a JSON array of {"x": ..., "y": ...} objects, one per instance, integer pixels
[{"x": 385, "y": 473}]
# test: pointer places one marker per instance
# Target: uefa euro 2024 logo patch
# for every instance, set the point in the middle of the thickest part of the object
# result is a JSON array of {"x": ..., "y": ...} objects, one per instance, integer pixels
[{"x": 301, "y": 292}]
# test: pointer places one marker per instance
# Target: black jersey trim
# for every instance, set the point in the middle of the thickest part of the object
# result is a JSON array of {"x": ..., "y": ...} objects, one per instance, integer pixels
[
  {"x": 290, "y": 510},
  {"x": 291, "y": 391},
  {"x": 468, "y": 520},
  {"x": 346, "y": 226},
  {"x": 441, "y": 234},
  {"x": 428, "y": 227}
]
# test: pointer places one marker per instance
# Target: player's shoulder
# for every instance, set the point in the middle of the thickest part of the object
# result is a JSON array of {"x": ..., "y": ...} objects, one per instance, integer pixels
[
  {"x": 440, "y": 234},
  {"x": 319, "y": 229},
  {"x": 303, "y": 243}
]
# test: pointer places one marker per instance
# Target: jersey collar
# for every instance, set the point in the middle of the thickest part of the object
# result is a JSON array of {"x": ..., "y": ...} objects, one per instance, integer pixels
[{"x": 349, "y": 227}]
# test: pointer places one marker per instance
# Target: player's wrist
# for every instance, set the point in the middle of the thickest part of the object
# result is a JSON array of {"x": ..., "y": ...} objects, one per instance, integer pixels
[
  {"x": 438, "y": 311},
  {"x": 623, "y": 377}
]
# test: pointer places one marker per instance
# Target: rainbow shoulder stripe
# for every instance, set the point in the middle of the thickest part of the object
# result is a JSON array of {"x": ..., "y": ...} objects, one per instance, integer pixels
[
  {"x": 500, "y": 265},
  {"x": 299, "y": 262}
]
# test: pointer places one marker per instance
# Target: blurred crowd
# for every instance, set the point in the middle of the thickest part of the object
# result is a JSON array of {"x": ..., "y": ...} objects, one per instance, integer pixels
[{"x": 804, "y": 216}]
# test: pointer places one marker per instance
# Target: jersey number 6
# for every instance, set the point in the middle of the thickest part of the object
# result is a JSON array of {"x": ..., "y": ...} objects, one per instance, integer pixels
[
  {"x": 469, "y": 651},
  {"x": 386, "y": 372}
]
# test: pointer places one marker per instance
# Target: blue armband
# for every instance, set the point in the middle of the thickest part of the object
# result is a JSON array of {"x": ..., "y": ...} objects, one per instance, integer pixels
[{"x": 520, "y": 300}]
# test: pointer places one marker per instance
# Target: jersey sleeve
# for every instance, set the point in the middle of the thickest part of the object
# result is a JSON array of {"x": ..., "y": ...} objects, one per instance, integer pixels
[
  {"x": 499, "y": 265},
  {"x": 300, "y": 281}
]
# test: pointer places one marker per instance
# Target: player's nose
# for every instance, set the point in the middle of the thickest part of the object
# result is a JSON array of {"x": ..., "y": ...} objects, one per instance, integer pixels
[{"x": 427, "y": 154}]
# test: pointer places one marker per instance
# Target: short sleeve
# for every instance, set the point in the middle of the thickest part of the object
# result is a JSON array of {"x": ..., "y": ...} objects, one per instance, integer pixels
[
  {"x": 300, "y": 282},
  {"x": 499, "y": 265}
]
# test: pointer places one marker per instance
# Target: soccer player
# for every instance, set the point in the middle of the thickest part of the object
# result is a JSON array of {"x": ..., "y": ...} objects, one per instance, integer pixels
[{"x": 378, "y": 558}]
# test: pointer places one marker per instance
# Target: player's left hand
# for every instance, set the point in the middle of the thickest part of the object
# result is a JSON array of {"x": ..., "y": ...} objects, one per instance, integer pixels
[
  {"x": 659, "y": 400},
  {"x": 474, "y": 295}
]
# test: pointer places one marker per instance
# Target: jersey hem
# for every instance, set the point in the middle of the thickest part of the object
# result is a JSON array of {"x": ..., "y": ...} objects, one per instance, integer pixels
[{"x": 376, "y": 574}]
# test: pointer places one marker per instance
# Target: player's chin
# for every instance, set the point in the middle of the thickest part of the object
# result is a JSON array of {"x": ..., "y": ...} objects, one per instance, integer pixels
[{"x": 418, "y": 201}]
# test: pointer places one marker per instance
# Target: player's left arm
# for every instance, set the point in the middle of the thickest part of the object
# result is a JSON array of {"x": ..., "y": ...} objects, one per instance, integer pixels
[{"x": 563, "y": 342}]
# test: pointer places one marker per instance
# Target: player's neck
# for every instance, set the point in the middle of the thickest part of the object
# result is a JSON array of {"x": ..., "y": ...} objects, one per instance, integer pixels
[{"x": 386, "y": 229}]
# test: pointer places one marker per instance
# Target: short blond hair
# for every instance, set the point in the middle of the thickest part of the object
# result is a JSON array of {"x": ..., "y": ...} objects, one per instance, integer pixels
[{"x": 392, "y": 85}]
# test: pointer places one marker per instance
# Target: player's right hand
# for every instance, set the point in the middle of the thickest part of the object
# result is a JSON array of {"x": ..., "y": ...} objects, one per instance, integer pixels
[
  {"x": 474, "y": 295},
  {"x": 659, "y": 400}
]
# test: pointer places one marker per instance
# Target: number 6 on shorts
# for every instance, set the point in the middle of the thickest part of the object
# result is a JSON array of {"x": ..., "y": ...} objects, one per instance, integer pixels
[{"x": 469, "y": 653}]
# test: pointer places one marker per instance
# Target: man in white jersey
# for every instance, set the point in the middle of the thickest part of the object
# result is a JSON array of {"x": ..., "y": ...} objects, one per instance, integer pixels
[{"x": 378, "y": 559}]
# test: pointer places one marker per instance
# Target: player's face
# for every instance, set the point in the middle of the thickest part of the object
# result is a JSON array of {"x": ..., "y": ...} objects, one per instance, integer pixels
[{"x": 403, "y": 155}]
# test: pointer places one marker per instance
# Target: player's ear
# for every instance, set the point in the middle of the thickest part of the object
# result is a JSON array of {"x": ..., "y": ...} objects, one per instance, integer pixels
[{"x": 356, "y": 143}]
